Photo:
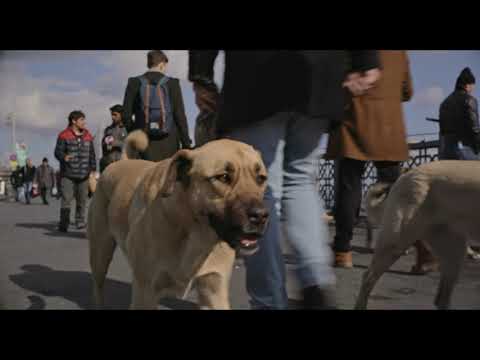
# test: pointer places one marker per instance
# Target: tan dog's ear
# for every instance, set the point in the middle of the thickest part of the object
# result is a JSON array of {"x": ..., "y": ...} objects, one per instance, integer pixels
[{"x": 177, "y": 170}]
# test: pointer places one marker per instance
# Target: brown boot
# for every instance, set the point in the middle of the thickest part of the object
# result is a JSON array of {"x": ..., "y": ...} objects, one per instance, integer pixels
[
  {"x": 426, "y": 263},
  {"x": 343, "y": 260}
]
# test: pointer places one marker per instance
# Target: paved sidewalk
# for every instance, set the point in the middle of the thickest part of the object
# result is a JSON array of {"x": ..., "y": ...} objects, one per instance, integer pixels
[{"x": 43, "y": 269}]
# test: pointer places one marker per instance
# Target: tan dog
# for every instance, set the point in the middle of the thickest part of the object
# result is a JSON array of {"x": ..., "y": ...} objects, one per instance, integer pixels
[
  {"x": 438, "y": 203},
  {"x": 179, "y": 221}
]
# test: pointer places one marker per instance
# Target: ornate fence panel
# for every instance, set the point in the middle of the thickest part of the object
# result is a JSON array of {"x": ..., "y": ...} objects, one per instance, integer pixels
[{"x": 420, "y": 153}]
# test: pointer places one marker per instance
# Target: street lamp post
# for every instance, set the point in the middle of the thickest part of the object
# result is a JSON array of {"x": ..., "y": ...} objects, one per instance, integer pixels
[{"x": 11, "y": 121}]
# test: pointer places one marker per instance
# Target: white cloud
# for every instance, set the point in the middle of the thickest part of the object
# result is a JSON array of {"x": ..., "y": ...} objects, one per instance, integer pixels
[
  {"x": 124, "y": 64},
  {"x": 431, "y": 96},
  {"x": 42, "y": 104}
]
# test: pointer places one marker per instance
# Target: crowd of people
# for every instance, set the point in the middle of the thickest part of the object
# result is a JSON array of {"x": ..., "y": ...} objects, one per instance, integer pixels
[
  {"x": 30, "y": 181},
  {"x": 282, "y": 103}
]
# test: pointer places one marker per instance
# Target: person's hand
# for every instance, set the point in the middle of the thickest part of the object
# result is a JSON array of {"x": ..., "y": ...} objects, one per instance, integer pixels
[
  {"x": 206, "y": 98},
  {"x": 109, "y": 140},
  {"x": 371, "y": 77},
  {"x": 67, "y": 158},
  {"x": 353, "y": 83},
  {"x": 358, "y": 83}
]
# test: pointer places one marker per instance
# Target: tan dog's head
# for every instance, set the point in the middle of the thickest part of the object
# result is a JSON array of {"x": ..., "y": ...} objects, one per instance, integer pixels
[
  {"x": 376, "y": 199},
  {"x": 375, "y": 202},
  {"x": 224, "y": 182}
]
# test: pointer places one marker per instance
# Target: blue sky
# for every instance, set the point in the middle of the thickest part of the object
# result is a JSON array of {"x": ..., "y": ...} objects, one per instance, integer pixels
[{"x": 42, "y": 87}]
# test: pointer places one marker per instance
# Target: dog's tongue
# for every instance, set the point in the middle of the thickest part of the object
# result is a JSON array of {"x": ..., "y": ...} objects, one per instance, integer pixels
[{"x": 248, "y": 242}]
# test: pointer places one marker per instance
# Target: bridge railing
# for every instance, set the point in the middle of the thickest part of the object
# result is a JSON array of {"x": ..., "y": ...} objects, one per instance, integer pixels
[{"x": 420, "y": 153}]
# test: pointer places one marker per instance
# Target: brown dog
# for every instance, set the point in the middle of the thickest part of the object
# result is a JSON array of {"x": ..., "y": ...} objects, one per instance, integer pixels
[
  {"x": 179, "y": 221},
  {"x": 437, "y": 203}
]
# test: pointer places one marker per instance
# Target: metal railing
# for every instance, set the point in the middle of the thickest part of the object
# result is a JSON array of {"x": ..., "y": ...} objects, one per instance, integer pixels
[{"x": 420, "y": 153}]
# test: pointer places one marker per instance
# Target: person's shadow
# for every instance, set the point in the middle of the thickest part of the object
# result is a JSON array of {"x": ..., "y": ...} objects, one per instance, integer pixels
[
  {"x": 52, "y": 230},
  {"x": 76, "y": 287}
]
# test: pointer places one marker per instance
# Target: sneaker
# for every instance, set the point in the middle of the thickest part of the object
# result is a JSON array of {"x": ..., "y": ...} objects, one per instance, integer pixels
[
  {"x": 81, "y": 225},
  {"x": 472, "y": 254},
  {"x": 317, "y": 298}
]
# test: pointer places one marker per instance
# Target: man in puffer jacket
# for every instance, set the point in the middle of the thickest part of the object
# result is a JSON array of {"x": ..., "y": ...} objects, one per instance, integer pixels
[{"x": 76, "y": 153}]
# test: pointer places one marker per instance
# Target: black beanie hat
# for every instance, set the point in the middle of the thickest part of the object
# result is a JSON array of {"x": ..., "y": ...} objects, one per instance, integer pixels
[
  {"x": 466, "y": 77},
  {"x": 117, "y": 109}
]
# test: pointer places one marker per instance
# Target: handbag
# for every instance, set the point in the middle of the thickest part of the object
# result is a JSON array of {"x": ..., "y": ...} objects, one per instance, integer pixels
[{"x": 35, "y": 191}]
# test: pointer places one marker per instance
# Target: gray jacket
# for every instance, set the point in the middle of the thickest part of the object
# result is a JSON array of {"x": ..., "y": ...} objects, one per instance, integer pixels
[{"x": 45, "y": 176}]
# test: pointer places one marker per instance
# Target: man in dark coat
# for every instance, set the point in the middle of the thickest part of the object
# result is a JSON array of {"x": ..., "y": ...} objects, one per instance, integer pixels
[
  {"x": 45, "y": 178},
  {"x": 16, "y": 179},
  {"x": 459, "y": 140},
  {"x": 113, "y": 138},
  {"x": 459, "y": 123},
  {"x": 290, "y": 97},
  {"x": 178, "y": 137}
]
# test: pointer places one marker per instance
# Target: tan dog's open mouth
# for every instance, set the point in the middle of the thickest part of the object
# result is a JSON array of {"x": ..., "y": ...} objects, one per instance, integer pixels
[{"x": 248, "y": 245}]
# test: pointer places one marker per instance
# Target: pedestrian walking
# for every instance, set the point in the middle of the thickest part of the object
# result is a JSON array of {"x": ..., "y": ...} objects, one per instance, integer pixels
[
  {"x": 373, "y": 130},
  {"x": 16, "y": 179},
  {"x": 156, "y": 101},
  {"x": 45, "y": 178},
  {"x": 459, "y": 134},
  {"x": 113, "y": 138},
  {"x": 28, "y": 179},
  {"x": 291, "y": 97},
  {"x": 76, "y": 153}
]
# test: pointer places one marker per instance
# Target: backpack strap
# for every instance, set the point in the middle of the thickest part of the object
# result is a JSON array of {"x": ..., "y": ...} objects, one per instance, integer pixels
[
  {"x": 146, "y": 100},
  {"x": 161, "y": 96},
  {"x": 164, "y": 80}
]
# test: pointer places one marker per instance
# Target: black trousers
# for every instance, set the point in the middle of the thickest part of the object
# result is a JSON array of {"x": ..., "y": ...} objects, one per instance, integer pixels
[
  {"x": 348, "y": 195},
  {"x": 159, "y": 150},
  {"x": 43, "y": 193}
]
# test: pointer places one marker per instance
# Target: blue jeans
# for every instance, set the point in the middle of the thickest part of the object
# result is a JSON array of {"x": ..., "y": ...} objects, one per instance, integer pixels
[
  {"x": 292, "y": 175},
  {"x": 28, "y": 191},
  {"x": 451, "y": 149}
]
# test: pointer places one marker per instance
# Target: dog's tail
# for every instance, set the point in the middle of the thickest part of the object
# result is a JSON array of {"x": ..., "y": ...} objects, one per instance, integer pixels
[
  {"x": 375, "y": 202},
  {"x": 135, "y": 143}
]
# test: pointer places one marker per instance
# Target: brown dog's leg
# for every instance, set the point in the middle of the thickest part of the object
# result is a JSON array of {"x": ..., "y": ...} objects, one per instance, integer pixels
[
  {"x": 426, "y": 262},
  {"x": 213, "y": 291},
  {"x": 450, "y": 249},
  {"x": 390, "y": 247},
  {"x": 143, "y": 297},
  {"x": 382, "y": 260},
  {"x": 101, "y": 254},
  {"x": 101, "y": 244}
]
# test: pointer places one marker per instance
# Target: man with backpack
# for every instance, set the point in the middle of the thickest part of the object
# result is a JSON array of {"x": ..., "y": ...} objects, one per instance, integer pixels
[{"x": 156, "y": 102}]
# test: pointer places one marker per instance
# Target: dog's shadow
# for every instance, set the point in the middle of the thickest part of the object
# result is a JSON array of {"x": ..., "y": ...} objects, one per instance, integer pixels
[
  {"x": 365, "y": 267},
  {"x": 362, "y": 250},
  {"x": 52, "y": 231},
  {"x": 76, "y": 287}
]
